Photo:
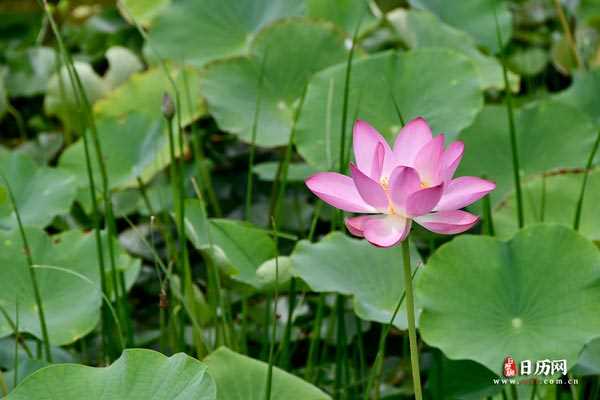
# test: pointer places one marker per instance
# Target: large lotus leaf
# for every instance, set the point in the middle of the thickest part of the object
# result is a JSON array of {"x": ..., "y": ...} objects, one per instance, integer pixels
[
  {"x": 550, "y": 136},
  {"x": 589, "y": 359},
  {"x": 460, "y": 379},
  {"x": 346, "y": 14},
  {"x": 143, "y": 93},
  {"x": 476, "y": 17},
  {"x": 583, "y": 94},
  {"x": 30, "y": 70},
  {"x": 534, "y": 297},
  {"x": 558, "y": 205},
  {"x": 41, "y": 192},
  {"x": 241, "y": 378},
  {"x": 142, "y": 11},
  {"x": 433, "y": 83},
  {"x": 209, "y": 30},
  {"x": 134, "y": 147},
  {"x": 288, "y": 53},
  {"x": 240, "y": 248},
  {"x": 71, "y": 302},
  {"x": 420, "y": 29},
  {"x": 137, "y": 375},
  {"x": 373, "y": 276}
]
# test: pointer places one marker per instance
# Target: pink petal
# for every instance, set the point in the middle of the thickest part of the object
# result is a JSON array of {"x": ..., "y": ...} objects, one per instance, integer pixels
[
  {"x": 386, "y": 231},
  {"x": 411, "y": 139},
  {"x": 339, "y": 191},
  {"x": 423, "y": 201},
  {"x": 403, "y": 182},
  {"x": 365, "y": 142},
  {"x": 461, "y": 192},
  {"x": 356, "y": 225},
  {"x": 378, "y": 159},
  {"x": 448, "y": 222},
  {"x": 429, "y": 161},
  {"x": 369, "y": 190},
  {"x": 450, "y": 159}
]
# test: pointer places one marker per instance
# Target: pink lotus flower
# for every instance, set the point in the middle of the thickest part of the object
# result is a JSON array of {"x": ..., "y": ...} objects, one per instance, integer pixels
[{"x": 412, "y": 181}]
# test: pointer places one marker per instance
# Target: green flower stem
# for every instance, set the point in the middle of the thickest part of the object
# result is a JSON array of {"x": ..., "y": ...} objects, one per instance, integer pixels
[
  {"x": 377, "y": 369},
  {"x": 512, "y": 131},
  {"x": 275, "y": 295},
  {"x": 340, "y": 347},
  {"x": 3, "y": 386},
  {"x": 410, "y": 314},
  {"x": 315, "y": 336},
  {"x": 287, "y": 335},
  {"x": 586, "y": 174},
  {"x": 32, "y": 273}
]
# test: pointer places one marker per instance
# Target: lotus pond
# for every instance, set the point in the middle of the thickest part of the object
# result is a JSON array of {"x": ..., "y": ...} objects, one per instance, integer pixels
[{"x": 299, "y": 199}]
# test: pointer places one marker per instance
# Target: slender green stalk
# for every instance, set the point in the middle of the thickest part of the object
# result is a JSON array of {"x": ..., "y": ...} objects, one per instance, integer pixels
[
  {"x": 362, "y": 363},
  {"x": 568, "y": 34},
  {"x": 214, "y": 279},
  {"x": 586, "y": 173},
  {"x": 487, "y": 214},
  {"x": 513, "y": 392},
  {"x": 32, "y": 274},
  {"x": 410, "y": 316},
  {"x": 346, "y": 100},
  {"x": 14, "y": 327},
  {"x": 378, "y": 364},
  {"x": 3, "y": 386},
  {"x": 207, "y": 183},
  {"x": 287, "y": 335},
  {"x": 340, "y": 354},
  {"x": 512, "y": 131},
  {"x": 274, "y": 324},
  {"x": 282, "y": 171},
  {"x": 315, "y": 337},
  {"x": 91, "y": 183},
  {"x": 255, "y": 122},
  {"x": 16, "y": 348},
  {"x": 533, "y": 391}
]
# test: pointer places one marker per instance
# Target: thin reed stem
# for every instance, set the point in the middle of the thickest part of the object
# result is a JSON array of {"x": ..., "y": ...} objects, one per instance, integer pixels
[
  {"x": 512, "y": 130},
  {"x": 275, "y": 295},
  {"x": 410, "y": 316},
  {"x": 586, "y": 173},
  {"x": 32, "y": 274}
]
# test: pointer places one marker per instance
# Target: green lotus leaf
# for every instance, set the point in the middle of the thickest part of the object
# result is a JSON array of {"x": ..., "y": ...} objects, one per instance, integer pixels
[
  {"x": 583, "y": 94},
  {"x": 41, "y": 192},
  {"x": 241, "y": 378},
  {"x": 30, "y": 70},
  {"x": 373, "y": 276},
  {"x": 557, "y": 205},
  {"x": 534, "y": 297},
  {"x": 346, "y": 14},
  {"x": 288, "y": 53},
  {"x": 136, "y": 375},
  {"x": 460, "y": 379},
  {"x": 238, "y": 247},
  {"x": 589, "y": 359},
  {"x": 209, "y": 30},
  {"x": 143, "y": 93},
  {"x": 68, "y": 277},
  {"x": 476, "y": 18},
  {"x": 142, "y": 11},
  {"x": 423, "y": 82},
  {"x": 134, "y": 147},
  {"x": 550, "y": 135},
  {"x": 421, "y": 29}
]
